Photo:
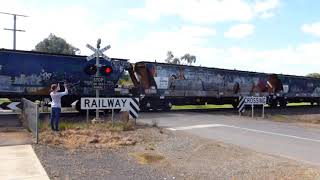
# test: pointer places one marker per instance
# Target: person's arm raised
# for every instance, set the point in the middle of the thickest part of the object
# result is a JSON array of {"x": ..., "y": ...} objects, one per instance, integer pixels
[{"x": 65, "y": 89}]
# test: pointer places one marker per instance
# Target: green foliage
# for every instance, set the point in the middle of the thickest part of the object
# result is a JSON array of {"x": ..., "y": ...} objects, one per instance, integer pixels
[
  {"x": 2, "y": 100},
  {"x": 185, "y": 59},
  {"x": 54, "y": 44},
  {"x": 315, "y": 75},
  {"x": 125, "y": 80},
  {"x": 208, "y": 106}
]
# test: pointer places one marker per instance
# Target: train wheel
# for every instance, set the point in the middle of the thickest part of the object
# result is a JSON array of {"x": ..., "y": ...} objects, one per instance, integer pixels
[
  {"x": 235, "y": 104},
  {"x": 166, "y": 108},
  {"x": 273, "y": 104},
  {"x": 283, "y": 103}
]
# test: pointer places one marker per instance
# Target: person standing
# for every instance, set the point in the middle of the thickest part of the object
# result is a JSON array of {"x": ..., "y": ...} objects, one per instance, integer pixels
[{"x": 56, "y": 105}]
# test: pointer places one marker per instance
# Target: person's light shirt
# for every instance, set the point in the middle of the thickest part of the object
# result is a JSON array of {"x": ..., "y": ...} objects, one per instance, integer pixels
[{"x": 56, "y": 98}]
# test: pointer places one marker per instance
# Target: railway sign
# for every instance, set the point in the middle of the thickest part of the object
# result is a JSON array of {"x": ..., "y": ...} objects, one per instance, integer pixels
[
  {"x": 124, "y": 104},
  {"x": 11, "y": 106},
  {"x": 98, "y": 82},
  {"x": 98, "y": 52},
  {"x": 252, "y": 101}
]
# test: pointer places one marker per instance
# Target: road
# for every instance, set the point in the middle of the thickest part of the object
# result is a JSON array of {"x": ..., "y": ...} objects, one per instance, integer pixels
[{"x": 283, "y": 139}]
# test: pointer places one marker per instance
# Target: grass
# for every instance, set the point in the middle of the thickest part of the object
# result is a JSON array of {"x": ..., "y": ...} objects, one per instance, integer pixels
[
  {"x": 64, "y": 125},
  {"x": 2, "y": 100},
  {"x": 208, "y": 106},
  {"x": 214, "y": 106},
  {"x": 298, "y": 104}
]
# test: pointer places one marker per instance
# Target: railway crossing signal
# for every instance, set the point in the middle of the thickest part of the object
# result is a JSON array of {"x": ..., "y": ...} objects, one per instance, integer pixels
[{"x": 97, "y": 53}]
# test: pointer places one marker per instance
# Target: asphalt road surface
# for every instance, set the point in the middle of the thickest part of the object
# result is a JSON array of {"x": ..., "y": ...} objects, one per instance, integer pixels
[{"x": 277, "y": 138}]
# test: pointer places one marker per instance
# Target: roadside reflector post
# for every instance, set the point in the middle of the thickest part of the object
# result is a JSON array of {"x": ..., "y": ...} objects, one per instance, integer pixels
[
  {"x": 112, "y": 117},
  {"x": 252, "y": 109},
  {"x": 87, "y": 115},
  {"x": 262, "y": 111}
]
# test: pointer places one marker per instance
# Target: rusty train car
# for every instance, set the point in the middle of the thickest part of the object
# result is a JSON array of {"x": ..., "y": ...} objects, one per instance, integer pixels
[
  {"x": 159, "y": 85},
  {"x": 164, "y": 85}
]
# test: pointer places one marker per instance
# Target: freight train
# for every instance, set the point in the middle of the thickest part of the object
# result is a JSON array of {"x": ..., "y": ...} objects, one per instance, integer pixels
[{"x": 29, "y": 74}]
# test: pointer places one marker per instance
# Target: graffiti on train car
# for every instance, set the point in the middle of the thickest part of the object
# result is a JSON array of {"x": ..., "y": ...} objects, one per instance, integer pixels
[{"x": 209, "y": 81}]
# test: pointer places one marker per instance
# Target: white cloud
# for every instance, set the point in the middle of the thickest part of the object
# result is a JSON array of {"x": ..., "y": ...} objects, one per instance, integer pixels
[
  {"x": 297, "y": 60},
  {"x": 155, "y": 44},
  {"x": 266, "y": 8},
  {"x": 313, "y": 29},
  {"x": 206, "y": 11},
  {"x": 240, "y": 31}
]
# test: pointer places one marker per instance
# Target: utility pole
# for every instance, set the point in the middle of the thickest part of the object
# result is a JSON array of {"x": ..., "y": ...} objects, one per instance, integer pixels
[{"x": 14, "y": 27}]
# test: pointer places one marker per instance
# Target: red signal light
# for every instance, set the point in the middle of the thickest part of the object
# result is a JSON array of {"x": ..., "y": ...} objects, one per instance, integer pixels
[{"x": 106, "y": 70}]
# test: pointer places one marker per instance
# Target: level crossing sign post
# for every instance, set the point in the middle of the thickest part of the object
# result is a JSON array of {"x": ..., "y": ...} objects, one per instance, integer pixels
[
  {"x": 97, "y": 53},
  {"x": 252, "y": 101},
  {"x": 124, "y": 104}
]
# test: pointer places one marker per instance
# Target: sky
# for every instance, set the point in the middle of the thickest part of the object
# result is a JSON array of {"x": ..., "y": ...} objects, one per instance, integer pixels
[{"x": 272, "y": 36}]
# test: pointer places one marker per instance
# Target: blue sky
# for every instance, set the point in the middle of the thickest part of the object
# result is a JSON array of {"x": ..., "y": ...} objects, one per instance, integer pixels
[{"x": 275, "y": 36}]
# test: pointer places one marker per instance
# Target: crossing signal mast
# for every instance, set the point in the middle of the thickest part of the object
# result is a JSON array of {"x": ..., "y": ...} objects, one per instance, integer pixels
[{"x": 14, "y": 27}]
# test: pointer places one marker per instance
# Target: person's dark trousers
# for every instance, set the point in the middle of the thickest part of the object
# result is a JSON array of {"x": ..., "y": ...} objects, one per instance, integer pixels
[{"x": 55, "y": 115}]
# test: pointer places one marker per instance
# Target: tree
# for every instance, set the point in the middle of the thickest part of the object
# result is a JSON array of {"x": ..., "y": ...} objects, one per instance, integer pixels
[
  {"x": 315, "y": 75},
  {"x": 54, "y": 44},
  {"x": 187, "y": 58}
]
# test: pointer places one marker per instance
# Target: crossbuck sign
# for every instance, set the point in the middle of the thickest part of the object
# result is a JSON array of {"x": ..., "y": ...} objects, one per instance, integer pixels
[
  {"x": 124, "y": 104},
  {"x": 251, "y": 100},
  {"x": 98, "y": 52}
]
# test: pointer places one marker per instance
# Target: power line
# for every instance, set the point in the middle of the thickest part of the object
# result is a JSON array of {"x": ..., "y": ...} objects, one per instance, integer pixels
[{"x": 14, "y": 26}]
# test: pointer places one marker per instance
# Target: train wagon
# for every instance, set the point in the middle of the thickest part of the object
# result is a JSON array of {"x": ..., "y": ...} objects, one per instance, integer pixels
[
  {"x": 163, "y": 85},
  {"x": 29, "y": 74}
]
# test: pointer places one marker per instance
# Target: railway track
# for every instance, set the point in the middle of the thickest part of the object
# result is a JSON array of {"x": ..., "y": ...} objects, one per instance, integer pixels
[{"x": 289, "y": 110}]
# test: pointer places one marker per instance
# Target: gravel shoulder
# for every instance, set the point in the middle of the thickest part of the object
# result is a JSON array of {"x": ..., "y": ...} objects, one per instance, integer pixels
[{"x": 162, "y": 154}]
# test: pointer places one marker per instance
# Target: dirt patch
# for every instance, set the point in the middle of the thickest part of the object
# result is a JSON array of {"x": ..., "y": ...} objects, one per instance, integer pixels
[
  {"x": 148, "y": 158},
  {"x": 92, "y": 136},
  {"x": 154, "y": 153},
  {"x": 187, "y": 156}
]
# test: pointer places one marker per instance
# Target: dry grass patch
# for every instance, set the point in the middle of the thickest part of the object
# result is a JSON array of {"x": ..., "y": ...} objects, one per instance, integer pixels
[
  {"x": 83, "y": 135},
  {"x": 307, "y": 118},
  {"x": 148, "y": 158}
]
